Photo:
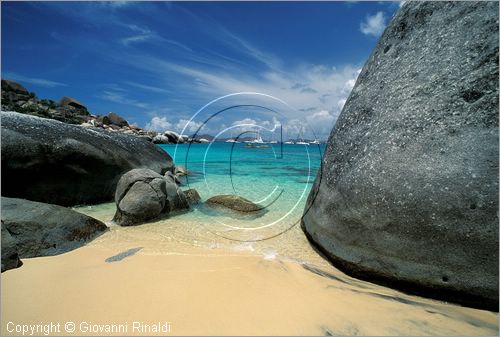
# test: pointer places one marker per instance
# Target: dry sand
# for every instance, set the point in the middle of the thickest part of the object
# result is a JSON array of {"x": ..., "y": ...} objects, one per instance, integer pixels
[{"x": 203, "y": 291}]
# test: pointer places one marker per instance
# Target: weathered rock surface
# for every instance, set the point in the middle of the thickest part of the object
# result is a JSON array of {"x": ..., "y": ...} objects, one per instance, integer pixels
[
  {"x": 39, "y": 229},
  {"x": 143, "y": 195},
  {"x": 173, "y": 177},
  {"x": 72, "y": 102},
  {"x": 408, "y": 192},
  {"x": 173, "y": 137},
  {"x": 15, "y": 97},
  {"x": 12, "y": 86},
  {"x": 49, "y": 161},
  {"x": 233, "y": 202},
  {"x": 10, "y": 256},
  {"x": 160, "y": 139},
  {"x": 175, "y": 196},
  {"x": 180, "y": 171},
  {"x": 192, "y": 196},
  {"x": 115, "y": 119}
]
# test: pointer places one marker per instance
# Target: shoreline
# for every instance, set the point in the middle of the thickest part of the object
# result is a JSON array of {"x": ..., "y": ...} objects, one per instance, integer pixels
[{"x": 218, "y": 290}]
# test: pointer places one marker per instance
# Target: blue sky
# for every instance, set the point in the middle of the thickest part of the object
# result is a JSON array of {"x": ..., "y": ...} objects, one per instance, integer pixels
[{"x": 157, "y": 63}]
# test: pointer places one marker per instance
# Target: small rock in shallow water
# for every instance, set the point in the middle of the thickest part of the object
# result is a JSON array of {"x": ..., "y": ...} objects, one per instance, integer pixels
[
  {"x": 192, "y": 196},
  {"x": 234, "y": 202}
]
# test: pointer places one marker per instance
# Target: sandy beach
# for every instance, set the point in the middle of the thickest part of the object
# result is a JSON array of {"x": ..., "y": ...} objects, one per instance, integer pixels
[
  {"x": 222, "y": 288},
  {"x": 249, "y": 168}
]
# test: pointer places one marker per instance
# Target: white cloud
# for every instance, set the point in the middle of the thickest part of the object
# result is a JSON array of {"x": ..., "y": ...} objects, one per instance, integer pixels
[
  {"x": 374, "y": 24},
  {"x": 148, "y": 87},
  {"x": 118, "y": 97},
  {"x": 189, "y": 127},
  {"x": 320, "y": 122},
  {"x": 341, "y": 103},
  {"x": 350, "y": 84},
  {"x": 117, "y": 4},
  {"x": 245, "y": 121},
  {"x": 136, "y": 38},
  {"x": 159, "y": 124},
  {"x": 36, "y": 81},
  {"x": 143, "y": 34},
  {"x": 330, "y": 83},
  {"x": 245, "y": 125}
]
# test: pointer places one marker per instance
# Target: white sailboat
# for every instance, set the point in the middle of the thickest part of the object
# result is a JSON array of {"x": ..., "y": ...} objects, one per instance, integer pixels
[
  {"x": 315, "y": 142},
  {"x": 301, "y": 141},
  {"x": 258, "y": 139},
  {"x": 232, "y": 140}
]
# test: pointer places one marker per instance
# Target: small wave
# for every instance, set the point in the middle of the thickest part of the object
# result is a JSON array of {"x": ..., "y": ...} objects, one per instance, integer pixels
[
  {"x": 270, "y": 255},
  {"x": 245, "y": 246}
]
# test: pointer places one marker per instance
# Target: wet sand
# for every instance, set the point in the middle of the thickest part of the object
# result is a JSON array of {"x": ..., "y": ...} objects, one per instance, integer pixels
[{"x": 200, "y": 290}]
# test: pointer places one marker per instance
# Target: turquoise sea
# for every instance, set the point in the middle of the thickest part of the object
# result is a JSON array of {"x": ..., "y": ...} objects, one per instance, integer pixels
[{"x": 278, "y": 177}]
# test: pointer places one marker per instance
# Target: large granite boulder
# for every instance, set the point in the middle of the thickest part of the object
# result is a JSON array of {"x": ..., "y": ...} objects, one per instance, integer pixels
[
  {"x": 176, "y": 198},
  {"x": 39, "y": 229},
  {"x": 143, "y": 195},
  {"x": 408, "y": 190},
  {"x": 49, "y": 161}
]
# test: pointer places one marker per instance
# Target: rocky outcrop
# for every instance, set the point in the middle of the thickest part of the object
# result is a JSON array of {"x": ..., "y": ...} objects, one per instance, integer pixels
[
  {"x": 143, "y": 195},
  {"x": 112, "y": 119},
  {"x": 408, "y": 190},
  {"x": 115, "y": 123},
  {"x": 10, "y": 256},
  {"x": 233, "y": 202},
  {"x": 49, "y": 161},
  {"x": 173, "y": 137},
  {"x": 38, "y": 229},
  {"x": 70, "y": 101},
  {"x": 15, "y": 97},
  {"x": 14, "y": 87},
  {"x": 160, "y": 139},
  {"x": 115, "y": 119}
]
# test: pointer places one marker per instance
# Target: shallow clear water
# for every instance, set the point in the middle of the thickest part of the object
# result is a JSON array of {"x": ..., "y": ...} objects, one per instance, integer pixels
[
  {"x": 280, "y": 181},
  {"x": 278, "y": 178}
]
